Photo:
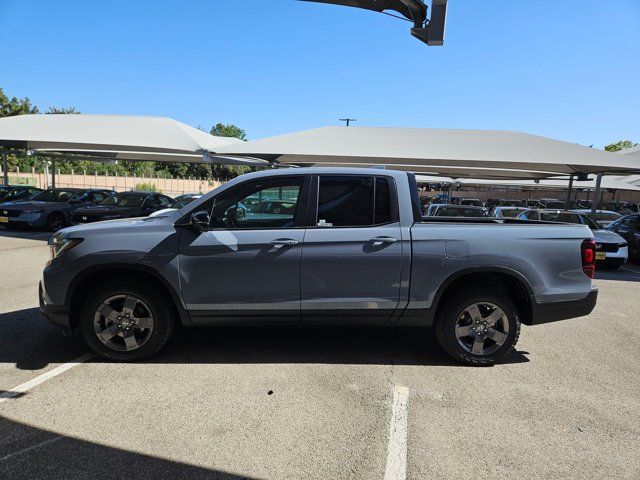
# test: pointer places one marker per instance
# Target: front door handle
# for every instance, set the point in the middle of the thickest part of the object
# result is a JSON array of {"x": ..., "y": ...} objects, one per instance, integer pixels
[
  {"x": 377, "y": 241},
  {"x": 283, "y": 242}
]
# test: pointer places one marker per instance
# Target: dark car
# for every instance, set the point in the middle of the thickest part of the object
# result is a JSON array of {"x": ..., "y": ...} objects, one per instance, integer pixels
[
  {"x": 50, "y": 208},
  {"x": 447, "y": 210},
  {"x": 123, "y": 205},
  {"x": 185, "y": 199},
  {"x": 12, "y": 193},
  {"x": 629, "y": 228}
]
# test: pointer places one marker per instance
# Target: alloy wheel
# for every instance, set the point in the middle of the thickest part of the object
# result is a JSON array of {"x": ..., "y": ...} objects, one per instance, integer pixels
[
  {"x": 482, "y": 328},
  {"x": 123, "y": 322}
]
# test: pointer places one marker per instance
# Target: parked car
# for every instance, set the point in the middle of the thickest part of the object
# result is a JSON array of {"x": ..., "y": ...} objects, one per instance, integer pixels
[
  {"x": 630, "y": 208},
  {"x": 50, "y": 208},
  {"x": 506, "y": 212},
  {"x": 552, "y": 203},
  {"x": 603, "y": 217},
  {"x": 611, "y": 249},
  {"x": 122, "y": 205},
  {"x": 502, "y": 202},
  {"x": 449, "y": 210},
  {"x": 474, "y": 202},
  {"x": 18, "y": 192},
  {"x": 354, "y": 250},
  {"x": 628, "y": 228}
]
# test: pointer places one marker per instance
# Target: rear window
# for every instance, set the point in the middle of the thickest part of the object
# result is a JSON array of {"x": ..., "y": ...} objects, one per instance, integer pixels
[
  {"x": 606, "y": 216},
  {"x": 510, "y": 212},
  {"x": 459, "y": 212},
  {"x": 563, "y": 217},
  {"x": 125, "y": 200}
]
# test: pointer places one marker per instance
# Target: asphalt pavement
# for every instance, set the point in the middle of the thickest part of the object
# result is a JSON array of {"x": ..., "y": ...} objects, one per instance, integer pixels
[{"x": 287, "y": 403}]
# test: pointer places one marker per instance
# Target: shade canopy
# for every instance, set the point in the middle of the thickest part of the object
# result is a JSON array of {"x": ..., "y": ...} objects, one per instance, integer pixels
[
  {"x": 114, "y": 137},
  {"x": 608, "y": 183},
  {"x": 633, "y": 152},
  {"x": 455, "y": 153}
]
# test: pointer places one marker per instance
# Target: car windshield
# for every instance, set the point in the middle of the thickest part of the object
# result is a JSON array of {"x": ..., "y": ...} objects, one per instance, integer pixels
[
  {"x": 607, "y": 216},
  {"x": 55, "y": 196},
  {"x": 125, "y": 200},
  {"x": 459, "y": 212}
]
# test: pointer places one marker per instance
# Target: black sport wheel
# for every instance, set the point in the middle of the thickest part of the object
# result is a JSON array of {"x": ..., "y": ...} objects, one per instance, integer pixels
[
  {"x": 478, "y": 327},
  {"x": 126, "y": 322},
  {"x": 55, "y": 221}
]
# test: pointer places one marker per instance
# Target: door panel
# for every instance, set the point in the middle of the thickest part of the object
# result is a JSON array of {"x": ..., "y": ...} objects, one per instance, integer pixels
[
  {"x": 351, "y": 274},
  {"x": 246, "y": 266},
  {"x": 352, "y": 256},
  {"x": 229, "y": 276}
]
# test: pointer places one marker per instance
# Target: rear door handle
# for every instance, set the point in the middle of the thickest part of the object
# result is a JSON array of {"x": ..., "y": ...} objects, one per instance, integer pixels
[
  {"x": 377, "y": 241},
  {"x": 283, "y": 242}
]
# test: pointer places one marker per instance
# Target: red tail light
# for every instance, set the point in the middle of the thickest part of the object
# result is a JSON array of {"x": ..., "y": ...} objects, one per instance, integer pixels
[{"x": 588, "y": 250}]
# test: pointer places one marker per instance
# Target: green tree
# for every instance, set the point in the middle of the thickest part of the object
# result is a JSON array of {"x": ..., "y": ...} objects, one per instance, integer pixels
[
  {"x": 60, "y": 111},
  {"x": 228, "y": 130},
  {"x": 621, "y": 145},
  {"x": 15, "y": 106}
]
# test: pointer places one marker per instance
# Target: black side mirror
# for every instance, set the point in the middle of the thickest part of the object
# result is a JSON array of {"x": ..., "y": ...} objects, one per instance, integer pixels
[{"x": 200, "y": 220}]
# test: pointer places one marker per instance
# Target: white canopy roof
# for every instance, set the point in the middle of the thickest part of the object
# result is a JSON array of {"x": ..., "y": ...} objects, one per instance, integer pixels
[
  {"x": 608, "y": 183},
  {"x": 456, "y": 153},
  {"x": 116, "y": 137}
]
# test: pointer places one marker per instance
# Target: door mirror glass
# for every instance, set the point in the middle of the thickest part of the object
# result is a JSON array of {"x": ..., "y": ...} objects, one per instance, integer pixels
[{"x": 200, "y": 220}]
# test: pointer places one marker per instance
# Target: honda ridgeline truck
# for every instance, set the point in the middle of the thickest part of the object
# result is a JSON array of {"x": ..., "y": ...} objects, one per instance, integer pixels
[{"x": 311, "y": 246}]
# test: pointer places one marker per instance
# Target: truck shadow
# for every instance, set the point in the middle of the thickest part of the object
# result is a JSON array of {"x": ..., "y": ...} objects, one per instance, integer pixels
[
  {"x": 33, "y": 453},
  {"x": 31, "y": 343}
]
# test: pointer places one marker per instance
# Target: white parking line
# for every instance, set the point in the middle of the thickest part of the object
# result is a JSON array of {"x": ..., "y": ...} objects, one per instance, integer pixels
[
  {"x": 16, "y": 391},
  {"x": 396, "y": 468}
]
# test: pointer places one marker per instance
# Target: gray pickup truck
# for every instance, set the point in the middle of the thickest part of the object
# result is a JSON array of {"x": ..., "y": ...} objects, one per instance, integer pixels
[{"x": 311, "y": 246}]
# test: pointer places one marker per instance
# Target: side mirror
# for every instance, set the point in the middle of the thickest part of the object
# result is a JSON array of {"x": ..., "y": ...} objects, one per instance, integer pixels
[{"x": 200, "y": 220}]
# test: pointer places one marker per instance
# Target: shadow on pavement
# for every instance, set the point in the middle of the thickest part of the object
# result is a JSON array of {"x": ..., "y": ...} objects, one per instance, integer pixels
[
  {"x": 626, "y": 273},
  {"x": 30, "y": 453},
  {"x": 31, "y": 343},
  {"x": 26, "y": 234}
]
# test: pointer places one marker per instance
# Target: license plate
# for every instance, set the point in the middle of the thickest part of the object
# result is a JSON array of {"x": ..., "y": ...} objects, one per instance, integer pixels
[
  {"x": 601, "y": 256},
  {"x": 4, "y": 219}
]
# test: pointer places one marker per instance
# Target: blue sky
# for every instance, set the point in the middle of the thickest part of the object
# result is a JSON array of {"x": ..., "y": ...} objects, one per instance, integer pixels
[{"x": 568, "y": 69}]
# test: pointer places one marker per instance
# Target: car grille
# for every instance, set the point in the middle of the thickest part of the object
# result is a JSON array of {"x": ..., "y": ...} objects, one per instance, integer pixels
[
  {"x": 607, "y": 247},
  {"x": 9, "y": 213}
]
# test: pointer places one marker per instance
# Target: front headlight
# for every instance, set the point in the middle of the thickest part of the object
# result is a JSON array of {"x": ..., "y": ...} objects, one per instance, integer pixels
[
  {"x": 58, "y": 245},
  {"x": 622, "y": 245}
]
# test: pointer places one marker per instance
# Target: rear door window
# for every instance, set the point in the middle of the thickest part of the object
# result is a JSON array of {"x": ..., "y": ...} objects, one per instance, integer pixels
[{"x": 354, "y": 201}]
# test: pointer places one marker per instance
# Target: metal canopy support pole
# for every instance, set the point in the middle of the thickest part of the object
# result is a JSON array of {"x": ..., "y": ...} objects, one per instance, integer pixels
[
  {"x": 5, "y": 168},
  {"x": 596, "y": 195},
  {"x": 568, "y": 205},
  {"x": 53, "y": 173}
]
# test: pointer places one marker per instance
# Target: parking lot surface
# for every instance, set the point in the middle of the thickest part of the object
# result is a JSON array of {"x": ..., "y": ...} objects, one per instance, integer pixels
[{"x": 318, "y": 403}]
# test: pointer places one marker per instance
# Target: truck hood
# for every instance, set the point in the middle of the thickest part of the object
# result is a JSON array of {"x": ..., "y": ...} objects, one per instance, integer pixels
[{"x": 121, "y": 225}]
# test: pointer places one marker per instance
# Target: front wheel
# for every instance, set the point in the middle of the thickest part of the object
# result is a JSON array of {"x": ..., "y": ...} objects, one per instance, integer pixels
[
  {"x": 55, "y": 221},
  {"x": 479, "y": 327},
  {"x": 126, "y": 322}
]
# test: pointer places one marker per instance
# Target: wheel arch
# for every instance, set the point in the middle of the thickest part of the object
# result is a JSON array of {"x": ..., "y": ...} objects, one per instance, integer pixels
[
  {"x": 97, "y": 275},
  {"x": 514, "y": 283}
]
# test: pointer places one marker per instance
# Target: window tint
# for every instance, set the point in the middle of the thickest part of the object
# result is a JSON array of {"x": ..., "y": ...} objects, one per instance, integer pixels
[
  {"x": 269, "y": 203},
  {"x": 166, "y": 201},
  {"x": 563, "y": 217},
  {"x": 349, "y": 201}
]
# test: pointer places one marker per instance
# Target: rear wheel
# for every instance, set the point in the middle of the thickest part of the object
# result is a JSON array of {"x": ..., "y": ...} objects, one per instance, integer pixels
[
  {"x": 55, "y": 221},
  {"x": 479, "y": 327},
  {"x": 126, "y": 322}
]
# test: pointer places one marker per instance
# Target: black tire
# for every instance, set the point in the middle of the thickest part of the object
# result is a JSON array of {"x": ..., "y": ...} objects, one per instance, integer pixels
[
  {"x": 162, "y": 311},
  {"x": 56, "y": 221},
  {"x": 453, "y": 310}
]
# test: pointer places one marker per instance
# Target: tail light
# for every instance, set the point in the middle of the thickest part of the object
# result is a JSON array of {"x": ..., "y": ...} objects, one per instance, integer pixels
[{"x": 588, "y": 251}]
